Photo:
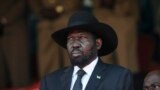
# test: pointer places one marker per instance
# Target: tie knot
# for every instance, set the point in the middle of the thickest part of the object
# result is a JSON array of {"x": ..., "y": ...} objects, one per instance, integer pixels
[{"x": 81, "y": 72}]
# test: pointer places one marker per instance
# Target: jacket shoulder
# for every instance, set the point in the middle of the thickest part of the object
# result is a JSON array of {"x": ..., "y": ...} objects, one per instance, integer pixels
[
  {"x": 57, "y": 72},
  {"x": 115, "y": 70}
]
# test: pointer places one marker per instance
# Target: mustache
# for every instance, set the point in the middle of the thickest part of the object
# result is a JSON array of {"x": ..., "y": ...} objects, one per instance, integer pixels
[{"x": 75, "y": 49}]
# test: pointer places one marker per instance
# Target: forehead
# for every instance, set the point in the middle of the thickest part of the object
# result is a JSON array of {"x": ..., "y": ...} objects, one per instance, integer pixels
[{"x": 151, "y": 79}]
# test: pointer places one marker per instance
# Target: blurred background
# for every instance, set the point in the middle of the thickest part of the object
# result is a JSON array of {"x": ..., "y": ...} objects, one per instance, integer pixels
[{"x": 27, "y": 52}]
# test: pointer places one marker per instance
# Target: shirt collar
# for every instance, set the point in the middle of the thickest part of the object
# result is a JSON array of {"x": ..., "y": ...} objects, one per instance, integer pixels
[{"x": 88, "y": 69}]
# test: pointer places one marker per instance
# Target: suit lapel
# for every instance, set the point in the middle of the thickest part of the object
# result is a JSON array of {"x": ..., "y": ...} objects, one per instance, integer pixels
[
  {"x": 96, "y": 77},
  {"x": 66, "y": 79}
]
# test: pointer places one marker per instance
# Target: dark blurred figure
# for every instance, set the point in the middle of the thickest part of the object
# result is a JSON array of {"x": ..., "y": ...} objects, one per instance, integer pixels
[
  {"x": 14, "y": 44},
  {"x": 146, "y": 21},
  {"x": 1, "y": 29},
  {"x": 149, "y": 40},
  {"x": 122, "y": 15},
  {"x": 156, "y": 11}
]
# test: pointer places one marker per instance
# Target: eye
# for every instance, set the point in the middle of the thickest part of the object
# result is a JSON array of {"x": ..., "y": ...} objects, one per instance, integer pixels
[
  {"x": 145, "y": 88},
  {"x": 82, "y": 37},
  {"x": 157, "y": 86},
  {"x": 69, "y": 38}
]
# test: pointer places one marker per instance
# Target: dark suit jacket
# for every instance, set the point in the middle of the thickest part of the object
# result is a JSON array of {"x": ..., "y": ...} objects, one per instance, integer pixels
[{"x": 104, "y": 77}]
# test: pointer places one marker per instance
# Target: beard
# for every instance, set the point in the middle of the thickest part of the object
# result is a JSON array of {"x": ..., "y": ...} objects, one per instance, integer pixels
[
  {"x": 84, "y": 59},
  {"x": 80, "y": 60}
]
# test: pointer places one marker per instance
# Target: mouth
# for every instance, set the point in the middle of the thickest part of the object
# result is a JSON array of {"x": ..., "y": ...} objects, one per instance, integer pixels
[{"x": 76, "y": 53}]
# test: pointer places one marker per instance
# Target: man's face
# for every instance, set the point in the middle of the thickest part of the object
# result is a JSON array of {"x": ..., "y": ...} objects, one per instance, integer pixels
[
  {"x": 152, "y": 82},
  {"x": 82, "y": 47}
]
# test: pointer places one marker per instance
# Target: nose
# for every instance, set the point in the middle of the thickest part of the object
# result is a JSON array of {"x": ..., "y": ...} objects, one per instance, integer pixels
[{"x": 75, "y": 44}]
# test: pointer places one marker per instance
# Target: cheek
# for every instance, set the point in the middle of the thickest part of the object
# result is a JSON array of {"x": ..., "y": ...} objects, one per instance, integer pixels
[
  {"x": 87, "y": 47},
  {"x": 68, "y": 47}
]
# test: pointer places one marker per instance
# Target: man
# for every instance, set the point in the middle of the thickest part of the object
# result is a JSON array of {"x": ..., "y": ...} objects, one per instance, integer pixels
[
  {"x": 152, "y": 80},
  {"x": 86, "y": 39}
]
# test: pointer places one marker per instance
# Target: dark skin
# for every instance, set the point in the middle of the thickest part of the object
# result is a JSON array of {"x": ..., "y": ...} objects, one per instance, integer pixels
[
  {"x": 152, "y": 81},
  {"x": 82, "y": 47}
]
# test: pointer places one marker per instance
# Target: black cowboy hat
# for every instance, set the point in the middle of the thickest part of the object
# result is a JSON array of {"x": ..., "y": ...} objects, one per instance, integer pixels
[{"x": 86, "y": 21}]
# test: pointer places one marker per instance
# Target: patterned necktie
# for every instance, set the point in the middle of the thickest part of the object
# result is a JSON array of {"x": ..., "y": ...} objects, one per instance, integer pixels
[{"x": 78, "y": 83}]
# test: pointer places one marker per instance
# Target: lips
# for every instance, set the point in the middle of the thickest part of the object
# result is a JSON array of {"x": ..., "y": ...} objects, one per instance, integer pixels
[{"x": 76, "y": 53}]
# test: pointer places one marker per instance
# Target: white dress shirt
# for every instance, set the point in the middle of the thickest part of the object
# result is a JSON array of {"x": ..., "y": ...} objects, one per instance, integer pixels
[{"x": 88, "y": 69}]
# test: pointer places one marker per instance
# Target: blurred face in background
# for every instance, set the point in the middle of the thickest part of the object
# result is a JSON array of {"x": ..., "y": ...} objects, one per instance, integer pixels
[{"x": 152, "y": 82}]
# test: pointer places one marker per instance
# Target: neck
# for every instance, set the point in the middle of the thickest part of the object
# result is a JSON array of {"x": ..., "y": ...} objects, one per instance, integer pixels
[{"x": 91, "y": 60}]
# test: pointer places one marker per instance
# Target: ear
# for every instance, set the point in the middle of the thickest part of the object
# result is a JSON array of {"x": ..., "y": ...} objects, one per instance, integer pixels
[{"x": 98, "y": 43}]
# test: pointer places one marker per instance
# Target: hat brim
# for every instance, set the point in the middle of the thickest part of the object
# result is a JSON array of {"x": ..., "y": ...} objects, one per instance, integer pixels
[{"x": 105, "y": 32}]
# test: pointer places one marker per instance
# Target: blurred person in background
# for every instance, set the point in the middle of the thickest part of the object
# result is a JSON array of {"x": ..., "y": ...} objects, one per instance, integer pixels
[
  {"x": 14, "y": 44},
  {"x": 122, "y": 15},
  {"x": 156, "y": 11},
  {"x": 152, "y": 80}
]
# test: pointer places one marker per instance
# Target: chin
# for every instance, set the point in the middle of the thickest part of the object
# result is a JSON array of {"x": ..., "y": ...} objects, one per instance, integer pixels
[{"x": 78, "y": 61}]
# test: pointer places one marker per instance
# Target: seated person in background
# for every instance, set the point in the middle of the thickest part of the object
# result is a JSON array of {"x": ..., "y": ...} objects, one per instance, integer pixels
[{"x": 152, "y": 81}]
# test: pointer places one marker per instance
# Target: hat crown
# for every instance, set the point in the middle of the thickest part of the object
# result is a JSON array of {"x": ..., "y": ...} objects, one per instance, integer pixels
[
  {"x": 82, "y": 18},
  {"x": 87, "y": 21}
]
